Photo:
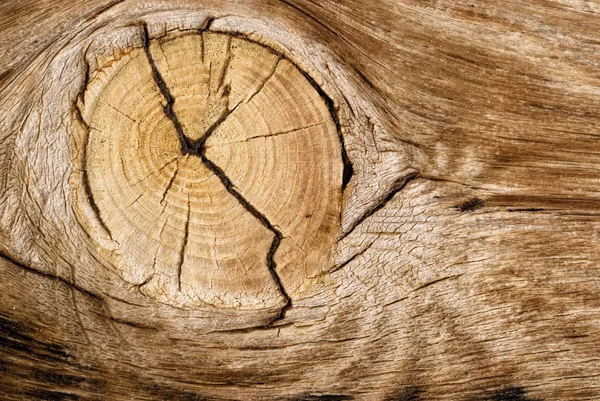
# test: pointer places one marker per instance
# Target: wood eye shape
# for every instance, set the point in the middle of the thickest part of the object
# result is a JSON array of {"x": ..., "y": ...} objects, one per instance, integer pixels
[
  {"x": 204, "y": 154},
  {"x": 180, "y": 220}
]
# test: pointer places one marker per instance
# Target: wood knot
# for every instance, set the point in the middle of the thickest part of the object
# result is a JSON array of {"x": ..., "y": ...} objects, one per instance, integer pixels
[{"x": 205, "y": 155}]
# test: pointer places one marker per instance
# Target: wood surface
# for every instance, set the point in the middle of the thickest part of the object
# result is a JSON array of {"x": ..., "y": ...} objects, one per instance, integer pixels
[{"x": 299, "y": 200}]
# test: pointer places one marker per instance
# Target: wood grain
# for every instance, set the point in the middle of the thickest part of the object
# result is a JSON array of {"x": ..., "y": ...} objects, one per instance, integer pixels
[{"x": 463, "y": 258}]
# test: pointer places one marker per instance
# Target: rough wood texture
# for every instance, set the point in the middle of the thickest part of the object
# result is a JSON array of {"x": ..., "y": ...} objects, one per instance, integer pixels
[{"x": 440, "y": 241}]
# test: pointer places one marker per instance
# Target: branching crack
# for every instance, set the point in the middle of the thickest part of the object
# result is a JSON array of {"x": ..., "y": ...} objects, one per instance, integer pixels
[
  {"x": 188, "y": 146},
  {"x": 198, "y": 148}
]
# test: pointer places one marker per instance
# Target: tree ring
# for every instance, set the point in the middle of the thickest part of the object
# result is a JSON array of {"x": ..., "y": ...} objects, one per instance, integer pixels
[{"x": 215, "y": 166}]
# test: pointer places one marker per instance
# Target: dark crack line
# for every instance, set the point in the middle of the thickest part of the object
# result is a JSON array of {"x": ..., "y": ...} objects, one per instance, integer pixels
[
  {"x": 267, "y": 79},
  {"x": 86, "y": 75},
  {"x": 205, "y": 27},
  {"x": 170, "y": 184},
  {"x": 278, "y": 236},
  {"x": 184, "y": 244},
  {"x": 85, "y": 176},
  {"x": 348, "y": 170},
  {"x": 207, "y": 23},
  {"x": 202, "y": 50},
  {"x": 164, "y": 89},
  {"x": 290, "y": 131},
  {"x": 197, "y": 148},
  {"x": 187, "y": 146},
  {"x": 73, "y": 289},
  {"x": 399, "y": 187},
  {"x": 430, "y": 283},
  {"x": 50, "y": 276},
  {"x": 225, "y": 69}
]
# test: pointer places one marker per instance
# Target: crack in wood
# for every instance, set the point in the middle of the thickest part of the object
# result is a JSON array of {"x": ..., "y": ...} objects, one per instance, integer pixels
[
  {"x": 348, "y": 170},
  {"x": 432, "y": 282},
  {"x": 198, "y": 148},
  {"x": 353, "y": 257},
  {"x": 50, "y": 276},
  {"x": 225, "y": 69},
  {"x": 170, "y": 184},
  {"x": 400, "y": 185},
  {"x": 291, "y": 131},
  {"x": 267, "y": 79},
  {"x": 164, "y": 90},
  {"x": 278, "y": 236},
  {"x": 84, "y": 173},
  {"x": 184, "y": 244}
]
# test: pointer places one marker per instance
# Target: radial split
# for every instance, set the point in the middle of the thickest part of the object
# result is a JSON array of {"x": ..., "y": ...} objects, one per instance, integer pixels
[{"x": 216, "y": 166}]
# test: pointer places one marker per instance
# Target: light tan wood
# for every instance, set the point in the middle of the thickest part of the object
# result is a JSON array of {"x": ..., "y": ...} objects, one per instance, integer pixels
[
  {"x": 247, "y": 220},
  {"x": 299, "y": 200}
]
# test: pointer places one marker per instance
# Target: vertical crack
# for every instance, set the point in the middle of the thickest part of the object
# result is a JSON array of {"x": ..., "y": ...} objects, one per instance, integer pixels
[
  {"x": 84, "y": 173},
  {"x": 170, "y": 184},
  {"x": 225, "y": 68},
  {"x": 278, "y": 236},
  {"x": 164, "y": 90},
  {"x": 198, "y": 149},
  {"x": 79, "y": 114},
  {"x": 348, "y": 170},
  {"x": 186, "y": 235}
]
